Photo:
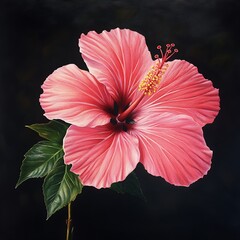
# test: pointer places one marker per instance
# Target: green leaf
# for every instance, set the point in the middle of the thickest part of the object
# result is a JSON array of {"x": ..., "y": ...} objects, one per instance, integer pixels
[
  {"x": 53, "y": 131},
  {"x": 130, "y": 185},
  {"x": 40, "y": 160},
  {"x": 60, "y": 187}
]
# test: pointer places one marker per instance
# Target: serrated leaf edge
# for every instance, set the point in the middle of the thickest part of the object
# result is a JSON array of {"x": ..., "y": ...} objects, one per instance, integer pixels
[
  {"x": 25, "y": 155},
  {"x": 64, "y": 176}
]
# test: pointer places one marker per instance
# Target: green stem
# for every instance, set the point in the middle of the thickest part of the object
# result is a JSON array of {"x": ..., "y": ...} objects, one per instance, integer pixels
[{"x": 69, "y": 222}]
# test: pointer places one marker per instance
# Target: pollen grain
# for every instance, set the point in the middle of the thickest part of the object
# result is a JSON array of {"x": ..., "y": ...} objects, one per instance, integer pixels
[{"x": 151, "y": 81}]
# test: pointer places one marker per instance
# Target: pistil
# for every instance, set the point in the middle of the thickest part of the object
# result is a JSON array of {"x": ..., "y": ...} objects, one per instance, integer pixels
[
  {"x": 151, "y": 81},
  {"x": 126, "y": 113}
]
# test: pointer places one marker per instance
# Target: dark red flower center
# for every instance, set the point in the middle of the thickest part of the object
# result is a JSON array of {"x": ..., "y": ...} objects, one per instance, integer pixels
[
  {"x": 119, "y": 125},
  {"x": 148, "y": 86}
]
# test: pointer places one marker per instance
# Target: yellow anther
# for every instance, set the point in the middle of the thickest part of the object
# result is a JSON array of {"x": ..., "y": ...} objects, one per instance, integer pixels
[{"x": 153, "y": 78}]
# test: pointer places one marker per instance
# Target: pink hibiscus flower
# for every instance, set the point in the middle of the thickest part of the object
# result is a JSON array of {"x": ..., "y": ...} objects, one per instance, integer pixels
[{"x": 128, "y": 109}]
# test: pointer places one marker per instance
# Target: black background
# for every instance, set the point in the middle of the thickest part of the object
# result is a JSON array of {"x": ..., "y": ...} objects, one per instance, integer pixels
[{"x": 38, "y": 36}]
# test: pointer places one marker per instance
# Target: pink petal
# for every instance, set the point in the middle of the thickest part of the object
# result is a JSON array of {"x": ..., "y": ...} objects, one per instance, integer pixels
[
  {"x": 119, "y": 59},
  {"x": 76, "y": 97},
  {"x": 172, "y": 146},
  {"x": 99, "y": 155},
  {"x": 184, "y": 90}
]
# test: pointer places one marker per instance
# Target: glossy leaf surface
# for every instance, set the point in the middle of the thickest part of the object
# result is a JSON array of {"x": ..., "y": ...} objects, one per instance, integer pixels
[
  {"x": 59, "y": 188},
  {"x": 53, "y": 131},
  {"x": 40, "y": 160}
]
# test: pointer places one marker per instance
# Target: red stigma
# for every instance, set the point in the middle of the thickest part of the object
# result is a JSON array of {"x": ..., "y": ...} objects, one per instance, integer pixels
[{"x": 170, "y": 50}]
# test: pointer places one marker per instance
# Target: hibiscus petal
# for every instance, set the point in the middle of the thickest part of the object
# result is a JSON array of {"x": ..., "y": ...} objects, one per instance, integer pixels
[
  {"x": 76, "y": 97},
  {"x": 119, "y": 59},
  {"x": 183, "y": 90},
  {"x": 99, "y": 155},
  {"x": 172, "y": 146}
]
